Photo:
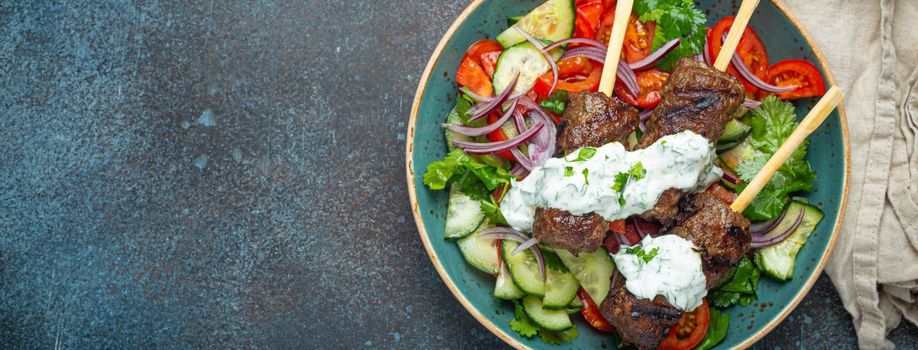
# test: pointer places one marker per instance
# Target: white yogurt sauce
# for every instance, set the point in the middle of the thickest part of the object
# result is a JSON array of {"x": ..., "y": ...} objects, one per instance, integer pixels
[
  {"x": 683, "y": 161},
  {"x": 674, "y": 271}
]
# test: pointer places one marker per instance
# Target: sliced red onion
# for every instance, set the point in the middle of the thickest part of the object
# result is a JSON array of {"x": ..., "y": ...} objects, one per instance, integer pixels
[
  {"x": 518, "y": 170},
  {"x": 619, "y": 239},
  {"x": 551, "y": 61},
  {"x": 727, "y": 176},
  {"x": 521, "y": 158},
  {"x": 584, "y": 41},
  {"x": 483, "y": 108},
  {"x": 753, "y": 79},
  {"x": 493, "y": 147},
  {"x": 468, "y": 92},
  {"x": 543, "y": 146},
  {"x": 539, "y": 259},
  {"x": 499, "y": 232},
  {"x": 645, "y": 114},
  {"x": 772, "y": 238},
  {"x": 615, "y": 276},
  {"x": 518, "y": 119},
  {"x": 525, "y": 245},
  {"x": 628, "y": 77},
  {"x": 638, "y": 229},
  {"x": 655, "y": 56},
  {"x": 484, "y": 130},
  {"x": 751, "y": 104},
  {"x": 761, "y": 228},
  {"x": 624, "y": 72},
  {"x": 590, "y": 53}
]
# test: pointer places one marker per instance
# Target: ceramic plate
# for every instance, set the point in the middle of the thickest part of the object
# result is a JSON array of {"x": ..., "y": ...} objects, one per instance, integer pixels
[{"x": 436, "y": 95}]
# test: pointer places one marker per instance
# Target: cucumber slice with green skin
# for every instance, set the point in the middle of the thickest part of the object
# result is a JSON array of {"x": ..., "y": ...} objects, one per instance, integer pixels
[
  {"x": 553, "y": 320},
  {"x": 572, "y": 310},
  {"x": 525, "y": 59},
  {"x": 593, "y": 271},
  {"x": 733, "y": 157},
  {"x": 454, "y": 118},
  {"x": 553, "y": 20},
  {"x": 524, "y": 269},
  {"x": 560, "y": 286},
  {"x": 463, "y": 216},
  {"x": 504, "y": 288},
  {"x": 513, "y": 19},
  {"x": 778, "y": 260},
  {"x": 480, "y": 252},
  {"x": 735, "y": 130},
  {"x": 575, "y": 304}
]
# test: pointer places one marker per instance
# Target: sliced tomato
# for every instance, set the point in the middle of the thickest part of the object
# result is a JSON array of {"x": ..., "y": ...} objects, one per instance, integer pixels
[
  {"x": 626, "y": 229},
  {"x": 638, "y": 38},
  {"x": 591, "y": 313},
  {"x": 799, "y": 73},
  {"x": 690, "y": 330},
  {"x": 611, "y": 244},
  {"x": 750, "y": 48},
  {"x": 725, "y": 194},
  {"x": 477, "y": 67},
  {"x": 574, "y": 74},
  {"x": 650, "y": 82},
  {"x": 587, "y": 21},
  {"x": 498, "y": 135}
]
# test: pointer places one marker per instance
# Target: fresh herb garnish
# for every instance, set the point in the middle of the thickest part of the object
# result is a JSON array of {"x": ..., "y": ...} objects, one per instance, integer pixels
[
  {"x": 472, "y": 175},
  {"x": 556, "y": 102},
  {"x": 585, "y": 154},
  {"x": 717, "y": 329},
  {"x": 636, "y": 172},
  {"x": 641, "y": 254},
  {"x": 740, "y": 289},
  {"x": 521, "y": 322},
  {"x": 586, "y": 174},
  {"x": 568, "y": 171},
  {"x": 675, "y": 19},
  {"x": 772, "y": 123}
]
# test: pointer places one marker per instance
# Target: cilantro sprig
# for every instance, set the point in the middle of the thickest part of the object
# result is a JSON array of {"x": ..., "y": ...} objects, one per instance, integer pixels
[
  {"x": 643, "y": 255},
  {"x": 675, "y": 19},
  {"x": 636, "y": 173}
]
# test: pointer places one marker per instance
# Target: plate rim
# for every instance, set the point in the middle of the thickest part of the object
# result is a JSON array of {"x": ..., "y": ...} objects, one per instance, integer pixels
[{"x": 419, "y": 221}]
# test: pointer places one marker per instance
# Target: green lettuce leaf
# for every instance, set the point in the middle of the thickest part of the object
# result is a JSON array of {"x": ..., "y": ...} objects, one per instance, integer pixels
[
  {"x": 740, "y": 289},
  {"x": 717, "y": 330}
]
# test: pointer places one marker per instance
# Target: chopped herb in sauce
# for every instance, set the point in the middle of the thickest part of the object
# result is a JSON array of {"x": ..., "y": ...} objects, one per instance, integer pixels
[{"x": 568, "y": 171}]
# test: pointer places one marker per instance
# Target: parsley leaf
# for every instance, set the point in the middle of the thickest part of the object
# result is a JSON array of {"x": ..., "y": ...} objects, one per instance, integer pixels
[
  {"x": 641, "y": 254},
  {"x": 521, "y": 323},
  {"x": 568, "y": 171},
  {"x": 558, "y": 338},
  {"x": 585, "y": 154},
  {"x": 717, "y": 330},
  {"x": 740, "y": 289},
  {"x": 556, "y": 103},
  {"x": 473, "y": 176},
  {"x": 675, "y": 19},
  {"x": 772, "y": 123},
  {"x": 621, "y": 179},
  {"x": 638, "y": 171},
  {"x": 586, "y": 174}
]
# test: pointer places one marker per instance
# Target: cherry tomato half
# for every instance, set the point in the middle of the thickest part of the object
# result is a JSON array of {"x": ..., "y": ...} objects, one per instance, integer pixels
[
  {"x": 638, "y": 36},
  {"x": 574, "y": 74},
  {"x": 800, "y": 73},
  {"x": 690, "y": 330},
  {"x": 588, "y": 14},
  {"x": 650, "y": 82},
  {"x": 591, "y": 313},
  {"x": 750, "y": 48},
  {"x": 477, "y": 67}
]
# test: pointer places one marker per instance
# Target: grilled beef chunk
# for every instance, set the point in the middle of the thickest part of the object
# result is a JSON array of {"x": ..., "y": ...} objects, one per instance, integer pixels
[
  {"x": 641, "y": 322},
  {"x": 666, "y": 209},
  {"x": 697, "y": 98},
  {"x": 721, "y": 234},
  {"x": 592, "y": 119},
  {"x": 561, "y": 229}
]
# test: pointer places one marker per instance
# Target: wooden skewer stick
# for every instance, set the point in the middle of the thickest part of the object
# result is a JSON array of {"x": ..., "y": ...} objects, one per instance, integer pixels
[
  {"x": 809, "y": 124},
  {"x": 622, "y": 14},
  {"x": 736, "y": 32}
]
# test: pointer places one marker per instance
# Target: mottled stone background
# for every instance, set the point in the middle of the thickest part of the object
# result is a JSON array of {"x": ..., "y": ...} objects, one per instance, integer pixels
[{"x": 227, "y": 175}]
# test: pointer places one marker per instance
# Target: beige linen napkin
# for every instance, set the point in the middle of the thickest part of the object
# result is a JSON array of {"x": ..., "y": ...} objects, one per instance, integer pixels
[{"x": 872, "y": 49}]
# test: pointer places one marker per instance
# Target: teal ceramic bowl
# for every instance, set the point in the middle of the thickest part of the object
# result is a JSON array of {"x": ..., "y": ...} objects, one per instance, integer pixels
[{"x": 436, "y": 96}]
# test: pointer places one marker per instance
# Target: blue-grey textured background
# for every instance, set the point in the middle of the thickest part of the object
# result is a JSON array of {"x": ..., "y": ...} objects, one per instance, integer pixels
[{"x": 218, "y": 174}]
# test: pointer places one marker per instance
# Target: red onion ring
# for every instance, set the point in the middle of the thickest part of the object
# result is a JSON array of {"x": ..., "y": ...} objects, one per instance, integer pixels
[
  {"x": 521, "y": 158},
  {"x": 518, "y": 119},
  {"x": 645, "y": 114},
  {"x": 584, "y": 41},
  {"x": 525, "y": 245},
  {"x": 551, "y": 61},
  {"x": 543, "y": 146},
  {"x": 518, "y": 170},
  {"x": 761, "y": 228},
  {"x": 730, "y": 178},
  {"x": 493, "y": 147},
  {"x": 753, "y": 79},
  {"x": 482, "y": 109},
  {"x": 498, "y": 232},
  {"x": 484, "y": 130},
  {"x": 655, "y": 56},
  {"x": 751, "y": 104},
  {"x": 624, "y": 71},
  {"x": 761, "y": 241},
  {"x": 706, "y": 54}
]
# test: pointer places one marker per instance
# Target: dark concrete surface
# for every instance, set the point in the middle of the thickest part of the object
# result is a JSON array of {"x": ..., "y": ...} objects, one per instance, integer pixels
[{"x": 227, "y": 175}]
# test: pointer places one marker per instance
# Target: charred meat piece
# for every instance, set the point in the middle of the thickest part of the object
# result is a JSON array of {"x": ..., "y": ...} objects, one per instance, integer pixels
[
  {"x": 641, "y": 322},
  {"x": 561, "y": 229},
  {"x": 593, "y": 119},
  {"x": 697, "y": 98},
  {"x": 721, "y": 234},
  {"x": 666, "y": 210}
]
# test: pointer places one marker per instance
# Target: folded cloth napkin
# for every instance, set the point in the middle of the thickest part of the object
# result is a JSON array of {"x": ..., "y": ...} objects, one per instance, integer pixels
[{"x": 872, "y": 49}]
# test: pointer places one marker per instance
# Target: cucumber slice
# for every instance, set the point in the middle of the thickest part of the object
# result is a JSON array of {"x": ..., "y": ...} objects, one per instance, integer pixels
[
  {"x": 560, "y": 286},
  {"x": 453, "y": 118},
  {"x": 524, "y": 269},
  {"x": 504, "y": 288},
  {"x": 463, "y": 216},
  {"x": 733, "y": 157},
  {"x": 592, "y": 270},
  {"x": 778, "y": 260},
  {"x": 734, "y": 131},
  {"x": 575, "y": 304},
  {"x": 480, "y": 252},
  {"x": 513, "y": 19},
  {"x": 553, "y": 20},
  {"x": 523, "y": 58},
  {"x": 553, "y": 320}
]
